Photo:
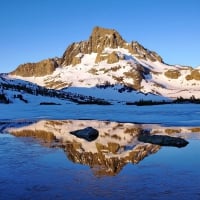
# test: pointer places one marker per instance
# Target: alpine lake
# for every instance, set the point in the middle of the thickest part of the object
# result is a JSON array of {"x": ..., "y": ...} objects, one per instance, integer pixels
[{"x": 52, "y": 156}]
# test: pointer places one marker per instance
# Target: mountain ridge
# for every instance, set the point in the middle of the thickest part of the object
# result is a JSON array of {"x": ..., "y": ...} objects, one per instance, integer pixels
[
  {"x": 107, "y": 59},
  {"x": 99, "y": 39}
]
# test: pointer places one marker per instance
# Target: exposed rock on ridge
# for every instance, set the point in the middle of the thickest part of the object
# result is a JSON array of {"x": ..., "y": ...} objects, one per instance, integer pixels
[
  {"x": 98, "y": 41},
  {"x": 102, "y": 38},
  {"x": 42, "y": 68},
  {"x": 195, "y": 75},
  {"x": 137, "y": 49}
]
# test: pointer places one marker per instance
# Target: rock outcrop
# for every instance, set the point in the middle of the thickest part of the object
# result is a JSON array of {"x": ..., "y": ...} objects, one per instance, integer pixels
[
  {"x": 42, "y": 68},
  {"x": 195, "y": 75},
  {"x": 72, "y": 51},
  {"x": 113, "y": 58},
  {"x": 98, "y": 41},
  {"x": 88, "y": 133},
  {"x": 102, "y": 38},
  {"x": 163, "y": 140},
  {"x": 173, "y": 74},
  {"x": 101, "y": 57},
  {"x": 142, "y": 53}
]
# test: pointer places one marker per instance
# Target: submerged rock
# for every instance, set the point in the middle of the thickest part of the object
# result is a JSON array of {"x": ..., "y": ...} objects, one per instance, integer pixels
[
  {"x": 163, "y": 140},
  {"x": 88, "y": 133}
]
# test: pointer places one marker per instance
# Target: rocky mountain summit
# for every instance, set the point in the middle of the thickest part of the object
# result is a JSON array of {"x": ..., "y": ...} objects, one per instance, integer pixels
[
  {"x": 100, "y": 39},
  {"x": 106, "y": 61}
]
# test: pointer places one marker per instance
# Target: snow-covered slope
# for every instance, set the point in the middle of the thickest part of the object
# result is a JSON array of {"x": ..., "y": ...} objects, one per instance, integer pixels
[
  {"x": 20, "y": 91},
  {"x": 107, "y": 64}
]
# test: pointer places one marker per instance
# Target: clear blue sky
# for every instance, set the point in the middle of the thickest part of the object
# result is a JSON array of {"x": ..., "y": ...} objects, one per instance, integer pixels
[{"x": 32, "y": 30}]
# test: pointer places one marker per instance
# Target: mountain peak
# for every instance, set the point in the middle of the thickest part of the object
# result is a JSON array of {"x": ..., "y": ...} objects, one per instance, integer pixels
[
  {"x": 102, "y": 38},
  {"x": 98, "y": 41},
  {"x": 97, "y": 30}
]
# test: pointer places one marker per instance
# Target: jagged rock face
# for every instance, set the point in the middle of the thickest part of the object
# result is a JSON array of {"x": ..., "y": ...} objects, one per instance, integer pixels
[
  {"x": 77, "y": 59},
  {"x": 72, "y": 51},
  {"x": 102, "y": 38},
  {"x": 45, "y": 67},
  {"x": 98, "y": 41},
  {"x": 142, "y": 53}
]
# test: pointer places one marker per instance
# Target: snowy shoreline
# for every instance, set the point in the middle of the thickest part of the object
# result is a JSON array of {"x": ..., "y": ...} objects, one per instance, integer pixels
[{"x": 169, "y": 115}]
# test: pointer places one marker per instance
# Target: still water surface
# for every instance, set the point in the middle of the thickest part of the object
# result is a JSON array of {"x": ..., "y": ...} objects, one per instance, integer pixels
[{"x": 31, "y": 169}]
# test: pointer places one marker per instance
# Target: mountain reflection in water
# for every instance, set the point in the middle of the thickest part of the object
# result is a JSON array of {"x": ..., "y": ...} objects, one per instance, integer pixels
[{"x": 116, "y": 145}]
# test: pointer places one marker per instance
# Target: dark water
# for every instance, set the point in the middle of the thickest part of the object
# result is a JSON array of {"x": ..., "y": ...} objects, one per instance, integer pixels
[{"x": 31, "y": 170}]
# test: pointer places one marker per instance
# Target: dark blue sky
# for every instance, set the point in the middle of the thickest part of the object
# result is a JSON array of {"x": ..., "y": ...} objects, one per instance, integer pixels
[{"x": 32, "y": 30}]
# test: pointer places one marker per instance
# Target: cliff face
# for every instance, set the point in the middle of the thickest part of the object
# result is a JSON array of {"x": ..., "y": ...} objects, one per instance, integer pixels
[
  {"x": 142, "y": 53},
  {"x": 42, "y": 68},
  {"x": 102, "y": 38},
  {"x": 98, "y": 41}
]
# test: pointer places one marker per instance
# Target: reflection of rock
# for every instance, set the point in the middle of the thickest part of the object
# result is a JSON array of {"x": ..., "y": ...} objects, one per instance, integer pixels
[
  {"x": 88, "y": 133},
  {"x": 104, "y": 161},
  {"x": 116, "y": 145},
  {"x": 47, "y": 136},
  {"x": 162, "y": 140}
]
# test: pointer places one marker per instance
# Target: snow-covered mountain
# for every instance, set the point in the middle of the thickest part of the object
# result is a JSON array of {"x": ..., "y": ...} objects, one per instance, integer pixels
[{"x": 106, "y": 66}]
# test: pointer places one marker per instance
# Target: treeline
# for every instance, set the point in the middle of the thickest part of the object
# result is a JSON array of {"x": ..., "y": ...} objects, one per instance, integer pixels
[
  {"x": 107, "y": 84},
  {"x": 38, "y": 90},
  {"x": 179, "y": 100},
  {"x": 192, "y": 99},
  {"x": 4, "y": 99}
]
